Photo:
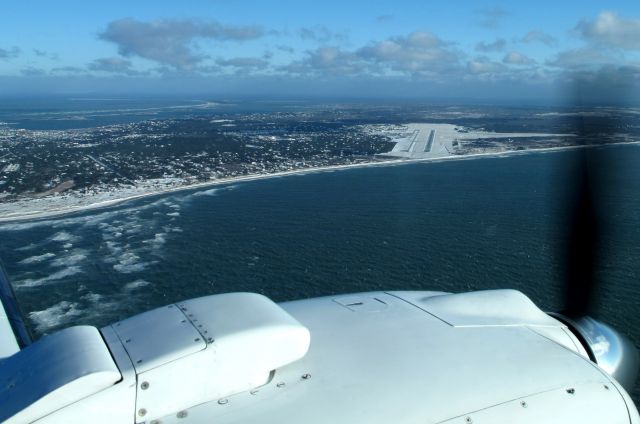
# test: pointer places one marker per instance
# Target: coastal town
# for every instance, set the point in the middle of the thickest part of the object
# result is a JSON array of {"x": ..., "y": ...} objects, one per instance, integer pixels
[
  {"x": 44, "y": 172},
  {"x": 169, "y": 152}
]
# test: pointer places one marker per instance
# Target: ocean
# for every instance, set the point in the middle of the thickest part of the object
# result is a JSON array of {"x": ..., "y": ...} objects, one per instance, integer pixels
[
  {"x": 64, "y": 113},
  {"x": 453, "y": 226}
]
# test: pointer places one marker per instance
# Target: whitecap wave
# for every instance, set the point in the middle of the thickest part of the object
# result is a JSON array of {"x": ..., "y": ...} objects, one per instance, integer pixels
[
  {"x": 99, "y": 304},
  {"x": 129, "y": 262},
  {"x": 58, "y": 275},
  {"x": 128, "y": 258},
  {"x": 95, "y": 219},
  {"x": 135, "y": 229},
  {"x": 37, "y": 259},
  {"x": 63, "y": 236},
  {"x": 131, "y": 268},
  {"x": 74, "y": 258},
  {"x": 210, "y": 192},
  {"x": 114, "y": 248},
  {"x": 93, "y": 297},
  {"x": 54, "y": 316},
  {"x": 30, "y": 246},
  {"x": 136, "y": 285},
  {"x": 170, "y": 229},
  {"x": 158, "y": 240}
]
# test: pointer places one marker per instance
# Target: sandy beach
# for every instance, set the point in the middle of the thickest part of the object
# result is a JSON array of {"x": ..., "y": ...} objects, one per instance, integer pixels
[{"x": 46, "y": 207}]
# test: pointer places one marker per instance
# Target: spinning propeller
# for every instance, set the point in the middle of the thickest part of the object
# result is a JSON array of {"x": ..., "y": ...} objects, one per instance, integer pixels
[{"x": 586, "y": 230}]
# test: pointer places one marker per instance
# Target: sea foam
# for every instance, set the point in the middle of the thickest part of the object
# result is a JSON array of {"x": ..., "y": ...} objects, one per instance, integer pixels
[
  {"x": 54, "y": 316},
  {"x": 37, "y": 259},
  {"x": 58, "y": 275}
]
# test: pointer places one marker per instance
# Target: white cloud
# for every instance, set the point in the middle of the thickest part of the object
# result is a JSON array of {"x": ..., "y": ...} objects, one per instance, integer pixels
[
  {"x": 327, "y": 61},
  {"x": 115, "y": 65},
  {"x": 420, "y": 53},
  {"x": 68, "y": 70},
  {"x": 515, "y": 58},
  {"x": 10, "y": 53},
  {"x": 483, "y": 65},
  {"x": 583, "y": 57},
  {"x": 609, "y": 82},
  {"x": 539, "y": 37},
  {"x": 496, "y": 46},
  {"x": 31, "y": 71},
  {"x": 611, "y": 30},
  {"x": 243, "y": 62},
  {"x": 321, "y": 34},
  {"x": 169, "y": 41},
  {"x": 492, "y": 17}
]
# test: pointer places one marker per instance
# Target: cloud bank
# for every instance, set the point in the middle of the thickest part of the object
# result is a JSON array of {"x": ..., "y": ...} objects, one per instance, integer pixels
[
  {"x": 210, "y": 56},
  {"x": 171, "y": 41},
  {"x": 611, "y": 30}
]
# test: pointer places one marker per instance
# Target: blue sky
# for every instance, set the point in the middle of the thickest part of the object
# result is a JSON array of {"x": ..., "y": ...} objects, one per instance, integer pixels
[{"x": 423, "y": 49}]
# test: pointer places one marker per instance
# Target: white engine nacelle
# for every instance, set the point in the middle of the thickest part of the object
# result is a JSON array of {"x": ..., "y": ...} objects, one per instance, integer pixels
[{"x": 168, "y": 359}]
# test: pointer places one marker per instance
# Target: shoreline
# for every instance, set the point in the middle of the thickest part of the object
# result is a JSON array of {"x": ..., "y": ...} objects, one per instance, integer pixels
[{"x": 37, "y": 215}]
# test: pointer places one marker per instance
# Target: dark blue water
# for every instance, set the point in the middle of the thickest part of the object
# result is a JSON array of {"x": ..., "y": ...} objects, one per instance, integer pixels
[
  {"x": 67, "y": 112},
  {"x": 78, "y": 112},
  {"x": 453, "y": 226}
]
